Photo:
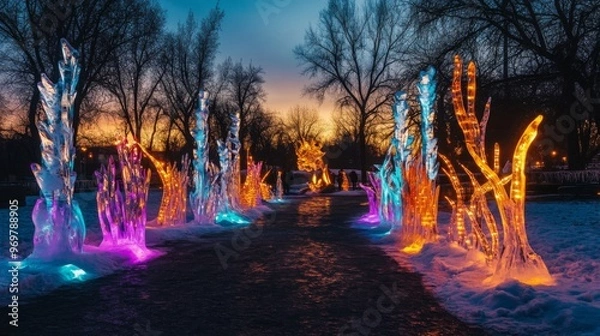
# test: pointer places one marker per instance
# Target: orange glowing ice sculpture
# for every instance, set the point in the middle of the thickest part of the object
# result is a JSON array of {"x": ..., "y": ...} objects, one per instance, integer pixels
[
  {"x": 252, "y": 190},
  {"x": 458, "y": 231},
  {"x": 516, "y": 260},
  {"x": 345, "y": 182},
  {"x": 419, "y": 168},
  {"x": 310, "y": 159},
  {"x": 173, "y": 204}
]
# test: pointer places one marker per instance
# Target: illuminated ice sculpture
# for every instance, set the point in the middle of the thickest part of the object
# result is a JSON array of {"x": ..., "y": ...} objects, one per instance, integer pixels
[
  {"x": 279, "y": 187},
  {"x": 310, "y": 159},
  {"x": 122, "y": 216},
  {"x": 228, "y": 199},
  {"x": 516, "y": 259},
  {"x": 404, "y": 189},
  {"x": 173, "y": 204},
  {"x": 59, "y": 224},
  {"x": 204, "y": 196},
  {"x": 252, "y": 190},
  {"x": 420, "y": 191}
]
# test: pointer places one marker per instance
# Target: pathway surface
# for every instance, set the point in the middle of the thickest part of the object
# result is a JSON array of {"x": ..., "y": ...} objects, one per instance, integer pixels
[{"x": 302, "y": 272}]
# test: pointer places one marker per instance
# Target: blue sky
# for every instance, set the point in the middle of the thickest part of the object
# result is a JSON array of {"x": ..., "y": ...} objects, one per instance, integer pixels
[{"x": 264, "y": 32}]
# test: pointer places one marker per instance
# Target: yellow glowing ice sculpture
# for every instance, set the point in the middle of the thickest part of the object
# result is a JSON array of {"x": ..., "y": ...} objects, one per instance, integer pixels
[
  {"x": 458, "y": 231},
  {"x": 310, "y": 159},
  {"x": 252, "y": 190},
  {"x": 345, "y": 182},
  {"x": 517, "y": 260},
  {"x": 173, "y": 204}
]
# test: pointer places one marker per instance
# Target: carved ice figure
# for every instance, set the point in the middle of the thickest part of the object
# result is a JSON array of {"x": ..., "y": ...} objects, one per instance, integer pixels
[{"x": 59, "y": 224}]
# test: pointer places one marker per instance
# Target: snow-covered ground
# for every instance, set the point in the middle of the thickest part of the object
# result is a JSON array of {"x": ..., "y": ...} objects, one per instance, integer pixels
[
  {"x": 566, "y": 234},
  {"x": 36, "y": 278}
]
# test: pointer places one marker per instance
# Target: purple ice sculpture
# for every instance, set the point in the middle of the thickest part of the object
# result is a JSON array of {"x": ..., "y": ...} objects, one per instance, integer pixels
[{"x": 59, "y": 224}]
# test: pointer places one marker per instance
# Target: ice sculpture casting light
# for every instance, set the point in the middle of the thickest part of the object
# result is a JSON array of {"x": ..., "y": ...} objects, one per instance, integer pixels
[
  {"x": 59, "y": 225},
  {"x": 310, "y": 159},
  {"x": 517, "y": 259},
  {"x": 252, "y": 189},
  {"x": 421, "y": 192},
  {"x": 228, "y": 199},
  {"x": 345, "y": 183},
  {"x": 405, "y": 188},
  {"x": 203, "y": 197},
  {"x": 279, "y": 188},
  {"x": 123, "y": 217},
  {"x": 173, "y": 204}
]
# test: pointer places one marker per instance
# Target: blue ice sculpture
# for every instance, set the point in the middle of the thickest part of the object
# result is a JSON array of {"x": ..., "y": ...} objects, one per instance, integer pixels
[{"x": 202, "y": 198}]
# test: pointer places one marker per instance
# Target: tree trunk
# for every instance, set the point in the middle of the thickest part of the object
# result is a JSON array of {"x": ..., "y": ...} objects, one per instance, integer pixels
[
  {"x": 576, "y": 157},
  {"x": 362, "y": 148}
]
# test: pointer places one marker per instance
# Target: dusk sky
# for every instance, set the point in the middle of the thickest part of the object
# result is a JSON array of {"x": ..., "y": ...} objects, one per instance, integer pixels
[{"x": 265, "y": 37}]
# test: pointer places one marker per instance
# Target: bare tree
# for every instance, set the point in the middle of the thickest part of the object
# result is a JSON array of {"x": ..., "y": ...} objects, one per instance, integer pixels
[
  {"x": 134, "y": 75},
  {"x": 355, "y": 54},
  {"x": 564, "y": 34},
  {"x": 30, "y": 31},
  {"x": 187, "y": 58},
  {"x": 246, "y": 95},
  {"x": 302, "y": 124}
]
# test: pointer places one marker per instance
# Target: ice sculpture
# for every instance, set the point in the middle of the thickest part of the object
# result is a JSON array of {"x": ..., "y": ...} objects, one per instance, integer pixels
[
  {"x": 422, "y": 196},
  {"x": 59, "y": 224},
  {"x": 517, "y": 260},
  {"x": 228, "y": 199},
  {"x": 252, "y": 189},
  {"x": 389, "y": 178},
  {"x": 122, "y": 216},
  {"x": 372, "y": 191},
  {"x": 233, "y": 174},
  {"x": 345, "y": 182},
  {"x": 203, "y": 198},
  {"x": 457, "y": 232},
  {"x": 173, "y": 204},
  {"x": 279, "y": 188},
  {"x": 406, "y": 180},
  {"x": 310, "y": 159}
]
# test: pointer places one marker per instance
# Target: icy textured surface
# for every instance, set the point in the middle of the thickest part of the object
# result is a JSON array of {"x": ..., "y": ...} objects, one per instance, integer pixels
[
  {"x": 515, "y": 259},
  {"x": 203, "y": 197},
  {"x": 122, "y": 215},
  {"x": 60, "y": 229}
]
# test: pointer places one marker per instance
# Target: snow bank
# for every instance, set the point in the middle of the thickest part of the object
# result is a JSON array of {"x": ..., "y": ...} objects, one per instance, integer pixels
[{"x": 565, "y": 234}]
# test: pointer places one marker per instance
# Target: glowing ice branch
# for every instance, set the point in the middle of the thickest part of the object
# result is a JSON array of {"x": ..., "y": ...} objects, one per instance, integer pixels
[
  {"x": 59, "y": 224},
  {"x": 173, "y": 204},
  {"x": 517, "y": 259},
  {"x": 496, "y": 158}
]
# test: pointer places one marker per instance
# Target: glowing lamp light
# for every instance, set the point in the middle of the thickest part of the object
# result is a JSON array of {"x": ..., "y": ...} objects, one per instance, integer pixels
[{"x": 71, "y": 272}]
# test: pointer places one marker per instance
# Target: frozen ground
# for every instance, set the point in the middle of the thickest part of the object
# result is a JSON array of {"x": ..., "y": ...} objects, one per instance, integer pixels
[
  {"x": 36, "y": 278},
  {"x": 565, "y": 233}
]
